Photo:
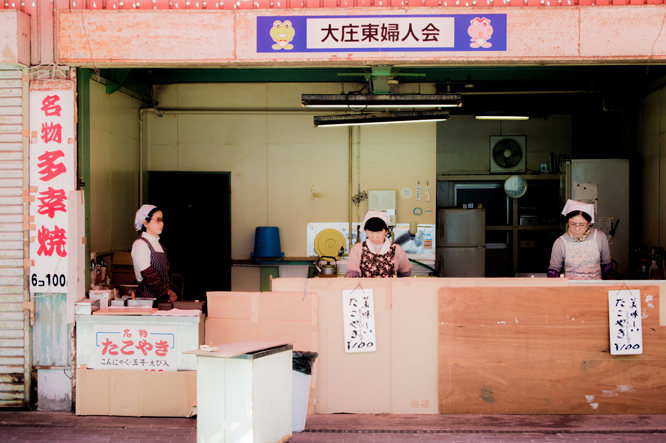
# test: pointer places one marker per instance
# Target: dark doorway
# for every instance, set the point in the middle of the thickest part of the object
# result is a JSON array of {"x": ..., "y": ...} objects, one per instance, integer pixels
[{"x": 197, "y": 227}]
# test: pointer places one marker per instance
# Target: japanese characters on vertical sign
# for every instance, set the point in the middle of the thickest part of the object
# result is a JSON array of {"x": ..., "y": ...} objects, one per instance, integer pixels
[
  {"x": 52, "y": 176},
  {"x": 147, "y": 347},
  {"x": 358, "y": 315},
  {"x": 464, "y": 32},
  {"x": 624, "y": 318}
]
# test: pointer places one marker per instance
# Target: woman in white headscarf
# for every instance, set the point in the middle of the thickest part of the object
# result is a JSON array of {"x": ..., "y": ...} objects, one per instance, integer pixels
[
  {"x": 377, "y": 256},
  {"x": 582, "y": 252},
  {"x": 151, "y": 266}
]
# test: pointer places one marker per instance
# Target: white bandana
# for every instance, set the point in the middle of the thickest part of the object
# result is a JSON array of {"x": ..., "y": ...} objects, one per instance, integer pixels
[
  {"x": 141, "y": 215},
  {"x": 375, "y": 214},
  {"x": 573, "y": 205}
]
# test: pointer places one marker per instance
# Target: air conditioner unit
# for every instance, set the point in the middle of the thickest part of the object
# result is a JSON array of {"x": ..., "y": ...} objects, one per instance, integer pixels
[{"x": 507, "y": 153}]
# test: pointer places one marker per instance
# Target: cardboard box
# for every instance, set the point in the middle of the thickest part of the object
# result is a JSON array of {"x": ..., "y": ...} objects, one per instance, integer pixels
[
  {"x": 239, "y": 316},
  {"x": 122, "y": 269},
  {"x": 285, "y": 316},
  {"x": 135, "y": 393},
  {"x": 303, "y": 336}
]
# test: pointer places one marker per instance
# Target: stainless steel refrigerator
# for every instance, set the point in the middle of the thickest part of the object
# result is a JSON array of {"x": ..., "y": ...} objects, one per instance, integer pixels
[{"x": 461, "y": 242}]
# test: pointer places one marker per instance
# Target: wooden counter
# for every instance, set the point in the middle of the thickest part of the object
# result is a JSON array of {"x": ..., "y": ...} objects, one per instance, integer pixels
[
  {"x": 545, "y": 351},
  {"x": 499, "y": 346}
]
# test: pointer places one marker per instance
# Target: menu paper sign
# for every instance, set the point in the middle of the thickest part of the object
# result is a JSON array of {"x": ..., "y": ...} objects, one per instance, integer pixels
[
  {"x": 626, "y": 330},
  {"x": 52, "y": 177},
  {"x": 149, "y": 348},
  {"x": 358, "y": 314}
]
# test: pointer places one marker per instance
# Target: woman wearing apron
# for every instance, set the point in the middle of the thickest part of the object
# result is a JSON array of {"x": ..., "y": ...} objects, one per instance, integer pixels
[
  {"x": 151, "y": 266},
  {"x": 582, "y": 253},
  {"x": 377, "y": 256}
]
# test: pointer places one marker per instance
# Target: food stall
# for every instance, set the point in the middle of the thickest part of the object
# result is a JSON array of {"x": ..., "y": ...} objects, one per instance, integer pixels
[
  {"x": 464, "y": 345},
  {"x": 130, "y": 361}
]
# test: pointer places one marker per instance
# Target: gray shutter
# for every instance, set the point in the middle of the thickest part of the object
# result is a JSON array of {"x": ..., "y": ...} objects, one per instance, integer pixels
[{"x": 14, "y": 324}]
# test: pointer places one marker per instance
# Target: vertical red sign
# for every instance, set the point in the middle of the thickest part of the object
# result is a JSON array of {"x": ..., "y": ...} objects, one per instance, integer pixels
[{"x": 52, "y": 177}]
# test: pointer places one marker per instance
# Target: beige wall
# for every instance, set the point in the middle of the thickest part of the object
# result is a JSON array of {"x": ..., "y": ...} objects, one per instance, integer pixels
[
  {"x": 652, "y": 152},
  {"x": 463, "y": 143},
  {"x": 268, "y": 142},
  {"x": 114, "y": 168}
]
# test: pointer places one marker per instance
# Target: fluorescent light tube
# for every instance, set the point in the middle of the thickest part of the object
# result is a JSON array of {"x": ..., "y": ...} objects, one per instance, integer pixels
[
  {"x": 381, "y": 119},
  {"x": 501, "y": 117},
  {"x": 361, "y": 101}
]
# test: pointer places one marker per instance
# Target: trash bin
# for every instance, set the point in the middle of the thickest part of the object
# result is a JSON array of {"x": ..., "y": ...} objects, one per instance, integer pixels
[{"x": 301, "y": 363}]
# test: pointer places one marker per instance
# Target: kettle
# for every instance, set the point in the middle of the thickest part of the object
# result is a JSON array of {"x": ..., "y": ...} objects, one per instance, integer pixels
[{"x": 328, "y": 270}]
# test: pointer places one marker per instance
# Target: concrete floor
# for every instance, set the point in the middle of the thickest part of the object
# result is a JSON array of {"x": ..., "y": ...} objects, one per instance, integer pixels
[{"x": 56, "y": 427}]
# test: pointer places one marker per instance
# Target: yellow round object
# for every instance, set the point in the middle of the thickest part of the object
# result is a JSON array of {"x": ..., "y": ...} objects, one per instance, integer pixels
[{"x": 328, "y": 243}]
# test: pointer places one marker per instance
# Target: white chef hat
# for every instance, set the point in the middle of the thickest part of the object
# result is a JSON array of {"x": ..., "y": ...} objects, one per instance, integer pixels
[
  {"x": 573, "y": 205},
  {"x": 141, "y": 215},
  {"x": 375, "y": 214}
]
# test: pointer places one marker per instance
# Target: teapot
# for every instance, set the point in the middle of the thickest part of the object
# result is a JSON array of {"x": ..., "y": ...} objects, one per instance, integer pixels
[{"x": 328, "y": 270}]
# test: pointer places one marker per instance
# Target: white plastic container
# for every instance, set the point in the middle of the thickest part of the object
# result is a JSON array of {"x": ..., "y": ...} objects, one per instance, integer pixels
[{"x": 300, "y": 388}]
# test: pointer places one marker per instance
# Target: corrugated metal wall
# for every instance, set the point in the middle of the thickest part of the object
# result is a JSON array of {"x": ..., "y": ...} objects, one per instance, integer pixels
[{"x": 14, "y": 338}]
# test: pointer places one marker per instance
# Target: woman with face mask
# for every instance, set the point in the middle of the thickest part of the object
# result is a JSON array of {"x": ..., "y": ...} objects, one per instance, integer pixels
[
  {"x": 582, "y": 253},
  {"x": 151, "y": 266},
  {"x": 377, "y": 256}
]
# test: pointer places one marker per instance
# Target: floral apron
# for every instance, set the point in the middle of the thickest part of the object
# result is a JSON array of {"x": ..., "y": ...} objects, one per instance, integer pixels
[
  {"x": 376, "y": 265},
  {"x": 159, "y": 262},
  {"x": 583, "y": 259}
]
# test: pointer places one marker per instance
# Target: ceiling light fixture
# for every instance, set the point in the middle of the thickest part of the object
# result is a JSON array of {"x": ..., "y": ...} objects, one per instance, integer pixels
[
  {"x": 381, "y": 119},
  {"x": 362, "y": 101},
  {"x": 501, "y": 117}
]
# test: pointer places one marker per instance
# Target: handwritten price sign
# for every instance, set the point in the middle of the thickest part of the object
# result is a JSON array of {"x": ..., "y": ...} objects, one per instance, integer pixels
[
  {"x": 624, "y": 319},
  {"x": 358, "y": 313}
]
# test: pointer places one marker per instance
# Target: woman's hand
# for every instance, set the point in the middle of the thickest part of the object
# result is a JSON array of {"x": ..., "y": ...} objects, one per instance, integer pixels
[{"x": 172, "y": 295}]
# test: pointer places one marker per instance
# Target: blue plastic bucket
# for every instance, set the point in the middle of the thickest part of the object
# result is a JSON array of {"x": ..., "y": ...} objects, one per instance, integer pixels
[{"x": 267, "y": 244}]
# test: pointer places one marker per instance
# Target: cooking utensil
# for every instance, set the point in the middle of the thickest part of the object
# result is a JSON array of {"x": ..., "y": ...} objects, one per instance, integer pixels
[
  {"x": 329, "y": 242},
  {"x": 140, "y": 302},
  {"x": 611, "y": 233},
  {"x": 328, "y": 270}
]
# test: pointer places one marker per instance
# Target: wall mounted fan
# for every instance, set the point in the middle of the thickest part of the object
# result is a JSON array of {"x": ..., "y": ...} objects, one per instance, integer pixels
[{"x": 507, "y": 153}]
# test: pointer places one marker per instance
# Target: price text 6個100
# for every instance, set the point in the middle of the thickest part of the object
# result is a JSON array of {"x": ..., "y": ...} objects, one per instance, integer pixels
[{"x": 54, "y": 280}]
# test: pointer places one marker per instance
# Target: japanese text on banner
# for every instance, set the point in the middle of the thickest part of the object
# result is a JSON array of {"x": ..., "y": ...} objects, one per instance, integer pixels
[
  {"x": 150, "y": 348},
  {"x": 381, "y": 33},
  {"x": 52, "y": 177}
]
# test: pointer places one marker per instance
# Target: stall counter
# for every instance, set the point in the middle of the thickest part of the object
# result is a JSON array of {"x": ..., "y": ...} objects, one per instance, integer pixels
[
  {"x": 189, "y": 330},
  {"x": 486, "y": 346}
]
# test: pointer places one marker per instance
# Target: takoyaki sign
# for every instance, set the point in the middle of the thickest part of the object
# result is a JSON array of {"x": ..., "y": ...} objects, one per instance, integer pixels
[{"x": 381, "y": 33}]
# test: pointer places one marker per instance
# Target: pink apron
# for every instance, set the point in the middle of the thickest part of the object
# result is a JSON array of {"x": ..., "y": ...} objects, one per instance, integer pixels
[{"x": 583, "y": 259}]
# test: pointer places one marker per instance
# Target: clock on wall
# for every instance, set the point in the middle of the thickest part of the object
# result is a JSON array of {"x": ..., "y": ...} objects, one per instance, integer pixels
[{"x": 515, "y": 186}]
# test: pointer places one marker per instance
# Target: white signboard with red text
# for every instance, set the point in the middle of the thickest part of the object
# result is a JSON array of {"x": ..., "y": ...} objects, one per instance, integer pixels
[
  {"x": 52, "y": 177},
  {"x": 149, "y": 348}
]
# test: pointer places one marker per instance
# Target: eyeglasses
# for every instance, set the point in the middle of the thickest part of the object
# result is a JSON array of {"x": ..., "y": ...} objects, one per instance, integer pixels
[
  {"x": 579, "y": 225},
  {"x": 157, "y": 219}
]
